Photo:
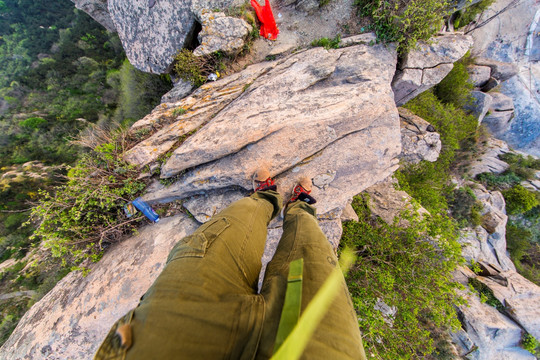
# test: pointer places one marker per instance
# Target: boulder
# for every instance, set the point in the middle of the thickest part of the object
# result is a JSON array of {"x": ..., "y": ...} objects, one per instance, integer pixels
[
  {"x": 98, "y": 10},
  {"x": 425, "y": 66},
  {"x": 494, "y": 221},
  {"x": 151, "y": 36},
  {"x": 489, "y": 161},
  {"x": 480, "y": 105},
  {"x": 498, "y": 122},
  {"x": 475, "y": 246},
  {"x": 345, "y": 133},
  {"x": 479, "y": 75},
  {"x": 501, "y": 71},
  {"x": 520, "y": 298},
  {"x": 491, "y": 84},
  {"x": 386, "y": 202},
  {"x": 487, "y": 334},
  {"x": 73, "y": 318},
  {"x": 221, "y": 33},
  {"x": 501, "y": 102},
  {"x": 180, "y": 90},
  {"x": 419, "y": 141}
]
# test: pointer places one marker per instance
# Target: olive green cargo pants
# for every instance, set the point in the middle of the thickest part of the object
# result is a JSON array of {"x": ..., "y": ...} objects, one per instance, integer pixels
[{"x": 205, "y": 305}]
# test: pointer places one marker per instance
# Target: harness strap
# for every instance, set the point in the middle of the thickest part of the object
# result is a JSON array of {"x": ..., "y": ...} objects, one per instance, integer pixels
[{"x": 293, "y": 302}]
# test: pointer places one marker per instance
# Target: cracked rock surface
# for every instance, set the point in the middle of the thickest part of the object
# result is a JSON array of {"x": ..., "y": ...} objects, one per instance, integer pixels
[
  {"x": 427, "y": 65},
  {"x": 326, "y": 114}
]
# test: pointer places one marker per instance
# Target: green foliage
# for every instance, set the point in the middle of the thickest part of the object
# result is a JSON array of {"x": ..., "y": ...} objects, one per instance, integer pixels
[
  {"x": 469, "y": 14},
  {"x": 519, "y": 200},
  {"x": 404, "y": 22},
  {"x": 407, "y": 268},
  {"x": 485, "y": 293},
  {"x": 529, "y": 343},
  {"x": 518, "y": 241},
  {"x": 498, "y": 181},
  {"x": 33, "y": 122},
  {"x": 78, "y": 219},
  {"x": 429, "y": 182},
  {"x": 455, "y": 88},
  {"x": 327, "y": 43},
  {"x": 179, "y": 111},
  {"x": 196, "y": 68},
  {"x": 464, "y": 207}
]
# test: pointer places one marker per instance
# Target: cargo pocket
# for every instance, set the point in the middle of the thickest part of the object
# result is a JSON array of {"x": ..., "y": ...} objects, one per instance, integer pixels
[
  {"x": 118, "y": 340},
  {"x": 195, "y": 245}
]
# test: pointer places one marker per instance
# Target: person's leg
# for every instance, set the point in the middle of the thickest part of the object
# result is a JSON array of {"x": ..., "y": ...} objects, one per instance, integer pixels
[
  {"x": 204, "y": 304},
  {"x": 338, "y": 335}
]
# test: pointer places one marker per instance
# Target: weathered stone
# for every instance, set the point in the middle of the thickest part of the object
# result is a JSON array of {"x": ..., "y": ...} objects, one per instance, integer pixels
[
  {"x": 333, "y": 231},
  {"x": 386, "y": 202},
  {"x": 494, "y": 221},
  {"x": 307, "y": 5},
  {"x": 342, "y": 105},
  {"x": 475, "y": 247},
  {"x": 491, "y": 84},
  {"x": 501, "y": 102},
  {"x": 498, "y": 122},
  {"x": 520, "y": 298},
  {"x": 366, "y": 39},
  {"x": 427, "y": 65},
  {"x": 417, "y": 141},
  {"x": 495, "y": 337},
  {"x": 180, "y": 90},
  {"x": 489, "y": 161},
  {"x": 97, "y": 9},
  {"x": 501, "y": 71},
  {"x": 73, "y": 318},
  {"x": 480, "y": 105},
  {"x": 349, "y": 214},
  {"x": 204, "y": 206},
  {"x": 479, "y": 75},
  {"x": 180, "y": 118},
  {"x": 221, "y": 33}
]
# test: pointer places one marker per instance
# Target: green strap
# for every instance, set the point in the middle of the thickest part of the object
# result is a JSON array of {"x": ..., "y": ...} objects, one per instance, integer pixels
[{"x": 293, "y": 301}]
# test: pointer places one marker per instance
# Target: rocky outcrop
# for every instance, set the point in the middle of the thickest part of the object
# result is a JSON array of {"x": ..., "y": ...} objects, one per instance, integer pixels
[
  {"x": 73, "y": 318},
  {"x": 345, "y": 133},
  {"x": 419, "y": 141},
  {"x": 426, "y": 66},
  {"x": 98, "y": 10},
  {"x": 507, "y": 46},
  {"x": 479, "y": 75},
  {"x": 151, "y": 36},
  {"x": 479, "y": 105},
  {"x": 486, "y": 333},
  {"x": 489, "y": 161},
  {"x": 501, "y": 112},
  {"x": 220, "y": 33}
]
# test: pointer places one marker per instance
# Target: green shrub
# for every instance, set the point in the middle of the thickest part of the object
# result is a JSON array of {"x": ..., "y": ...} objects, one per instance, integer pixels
[
  {"x": 485, "y": 293},
  {"x": 455, "y": 88},
  {"x": 429, "y": 182},
  {"x": 519, "y": 200},
  {"x": 404, "y": 22},
  {"x": 469, "y": 14},
  {"x": 518, "y": 241},
  {"x": 498, "y": 181},
  {"x": 327, "y": 43},
  {"x": 196, "y": 68},
  {"x": 529, "y": 343},
  {"x": 464, "y": 207},
  {"x": 33, "y": 122},
  {"x": 78, "y": 219},
  {"x": 405, "y": 268}
]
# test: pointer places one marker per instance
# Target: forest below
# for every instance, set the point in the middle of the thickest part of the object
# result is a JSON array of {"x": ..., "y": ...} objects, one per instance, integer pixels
[{"x": 60, "y": 73}]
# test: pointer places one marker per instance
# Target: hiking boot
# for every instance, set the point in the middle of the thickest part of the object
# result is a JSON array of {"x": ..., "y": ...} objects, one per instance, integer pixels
[
  {"x": 302, "y": 190},
  {"x": 262, "y": 180}
]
